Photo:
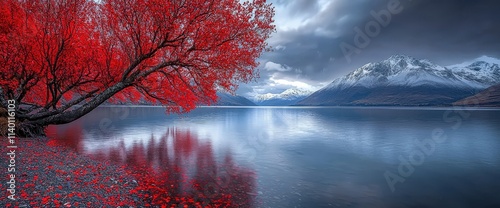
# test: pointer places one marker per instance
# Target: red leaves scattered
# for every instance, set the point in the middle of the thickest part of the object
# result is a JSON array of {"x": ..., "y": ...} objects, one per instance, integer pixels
[
  {"x": 45, "y": 169},
  {"x": 52, "y": 143},
  {"x": 45, "y": 200},
  {"x": 147, "y": 172},
  {"x": 56, "y": 202},
  {"x": 24, "y": 194}
]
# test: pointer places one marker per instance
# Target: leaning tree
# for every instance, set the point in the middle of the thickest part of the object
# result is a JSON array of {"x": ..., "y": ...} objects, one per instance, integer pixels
[{"x": 60, "y": 59}]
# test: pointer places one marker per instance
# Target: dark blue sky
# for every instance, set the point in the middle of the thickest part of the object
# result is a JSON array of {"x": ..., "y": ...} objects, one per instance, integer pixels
[{"x": 314, "y": 36}]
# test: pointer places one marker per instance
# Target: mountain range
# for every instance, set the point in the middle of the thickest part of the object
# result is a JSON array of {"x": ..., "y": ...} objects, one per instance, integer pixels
[
  {"x": 407, "y": 81},
  {"x": 287, "y": 97},
  {"x": 399, "y": 80},
  {"x": 223, "y": 99}
]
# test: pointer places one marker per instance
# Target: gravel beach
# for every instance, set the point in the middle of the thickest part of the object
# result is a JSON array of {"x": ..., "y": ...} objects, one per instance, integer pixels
[{"x": 49, "y": 175}]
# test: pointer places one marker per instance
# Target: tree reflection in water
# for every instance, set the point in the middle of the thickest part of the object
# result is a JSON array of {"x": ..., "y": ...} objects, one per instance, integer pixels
[{"x": 174, "y": 169}]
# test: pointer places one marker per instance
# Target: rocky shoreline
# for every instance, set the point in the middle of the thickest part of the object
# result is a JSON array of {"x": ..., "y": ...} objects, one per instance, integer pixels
[{"x": 50, "y": 175}]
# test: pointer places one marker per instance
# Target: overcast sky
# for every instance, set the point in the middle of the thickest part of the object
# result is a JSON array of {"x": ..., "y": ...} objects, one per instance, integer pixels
[{"x": 319, "y": 40}]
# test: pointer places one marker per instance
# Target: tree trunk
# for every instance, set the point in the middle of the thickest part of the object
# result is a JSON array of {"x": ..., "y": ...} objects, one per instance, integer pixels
[
  {"x": 71, "y": 115},
  {"x": 34, "y": 126},
  {"x": 30, "y": 130},
  {"x": 21, "y": 129}
]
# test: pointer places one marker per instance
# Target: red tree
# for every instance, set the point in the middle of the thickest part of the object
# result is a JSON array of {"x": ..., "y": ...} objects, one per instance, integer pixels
[{"x": 61, "y": 59}]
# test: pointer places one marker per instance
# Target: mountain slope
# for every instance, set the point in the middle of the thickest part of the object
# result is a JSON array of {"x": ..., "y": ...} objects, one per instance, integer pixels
[
  {"x": 287, "y": 97},
  {"x": 404, "y": 80},
  {"x": 482, "y": 72},
  {"x": 488, "y": 98},
  {"x": 226, "y": 99}
]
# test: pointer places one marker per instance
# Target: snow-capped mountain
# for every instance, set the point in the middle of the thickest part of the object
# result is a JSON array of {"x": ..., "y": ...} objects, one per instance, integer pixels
[
  {"x": 404, "y": 80},
  {"x": 481, "y": 72},
  {"x": 287, "y": 97},
  {"x": 400, "y": 70}
]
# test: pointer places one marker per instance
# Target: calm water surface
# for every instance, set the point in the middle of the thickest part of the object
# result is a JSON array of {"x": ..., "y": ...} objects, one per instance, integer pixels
[{"x": 308, "y": 157}]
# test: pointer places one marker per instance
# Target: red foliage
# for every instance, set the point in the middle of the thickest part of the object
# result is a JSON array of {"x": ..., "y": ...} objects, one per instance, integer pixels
[{"x": 175, "y": 53}]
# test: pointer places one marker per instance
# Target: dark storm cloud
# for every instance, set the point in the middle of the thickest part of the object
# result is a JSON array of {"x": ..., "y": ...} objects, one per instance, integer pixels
[
  {"x": 314, "y": 47},
  {"x": 446, "y": 31},
  {"x": 303, "y": 6},
  {"x": 310, "y": 33}
]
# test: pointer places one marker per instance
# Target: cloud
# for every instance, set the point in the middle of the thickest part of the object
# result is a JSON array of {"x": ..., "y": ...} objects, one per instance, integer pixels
[
  {"x": 309, "y": 33},
  {"x": 291, "y": 84},
  {"x": 280, "y": 47},
  {"x": 271, "y": 66}
]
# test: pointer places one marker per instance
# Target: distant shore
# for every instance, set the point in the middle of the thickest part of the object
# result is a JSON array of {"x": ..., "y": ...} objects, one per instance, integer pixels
[{"x": 329, "y": 106}]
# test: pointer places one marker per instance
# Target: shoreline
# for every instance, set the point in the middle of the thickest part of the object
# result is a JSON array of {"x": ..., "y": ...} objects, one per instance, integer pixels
[{"x": 51, "y": 175}]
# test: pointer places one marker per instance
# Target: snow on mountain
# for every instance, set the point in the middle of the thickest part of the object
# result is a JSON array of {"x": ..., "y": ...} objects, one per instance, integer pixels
[
  {"x": 486, "y": 59},
  {"x": 481, "y": 72},
  {"x": 401, "y": 70},
  {"x": 404, "y": 80},
  {"x": 288, "y": 94},
  {"x": 287, "y": 97}
]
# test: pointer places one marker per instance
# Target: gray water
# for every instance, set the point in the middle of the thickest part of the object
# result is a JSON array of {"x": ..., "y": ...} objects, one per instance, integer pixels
[{"x": 314, "y": 157}]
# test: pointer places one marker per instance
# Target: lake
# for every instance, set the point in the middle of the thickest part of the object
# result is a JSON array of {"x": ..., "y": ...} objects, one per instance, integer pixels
[{"x": 306, "y": 156}]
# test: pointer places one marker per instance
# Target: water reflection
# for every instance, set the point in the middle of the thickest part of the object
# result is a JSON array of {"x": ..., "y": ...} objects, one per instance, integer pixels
[
  {"x": 304, "y": 157},
  {"x": 173, "y": 168}
]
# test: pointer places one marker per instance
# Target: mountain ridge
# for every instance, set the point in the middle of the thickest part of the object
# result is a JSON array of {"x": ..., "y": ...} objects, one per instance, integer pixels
[
  {"x": 226, "y": 99},
  {"x": 489, "y": 97},
  {"x": 288, "y": 97},
  {"x": 414, "y": 81}
]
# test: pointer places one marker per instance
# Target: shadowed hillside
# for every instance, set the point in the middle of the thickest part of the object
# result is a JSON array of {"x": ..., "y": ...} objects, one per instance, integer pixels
[{"x": 488, "y": 98}]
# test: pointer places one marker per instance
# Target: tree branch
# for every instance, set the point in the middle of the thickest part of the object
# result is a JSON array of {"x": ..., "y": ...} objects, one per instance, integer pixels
[
  {"x": 69, "y": 116},
  {"x": 60, "y": 110}
]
